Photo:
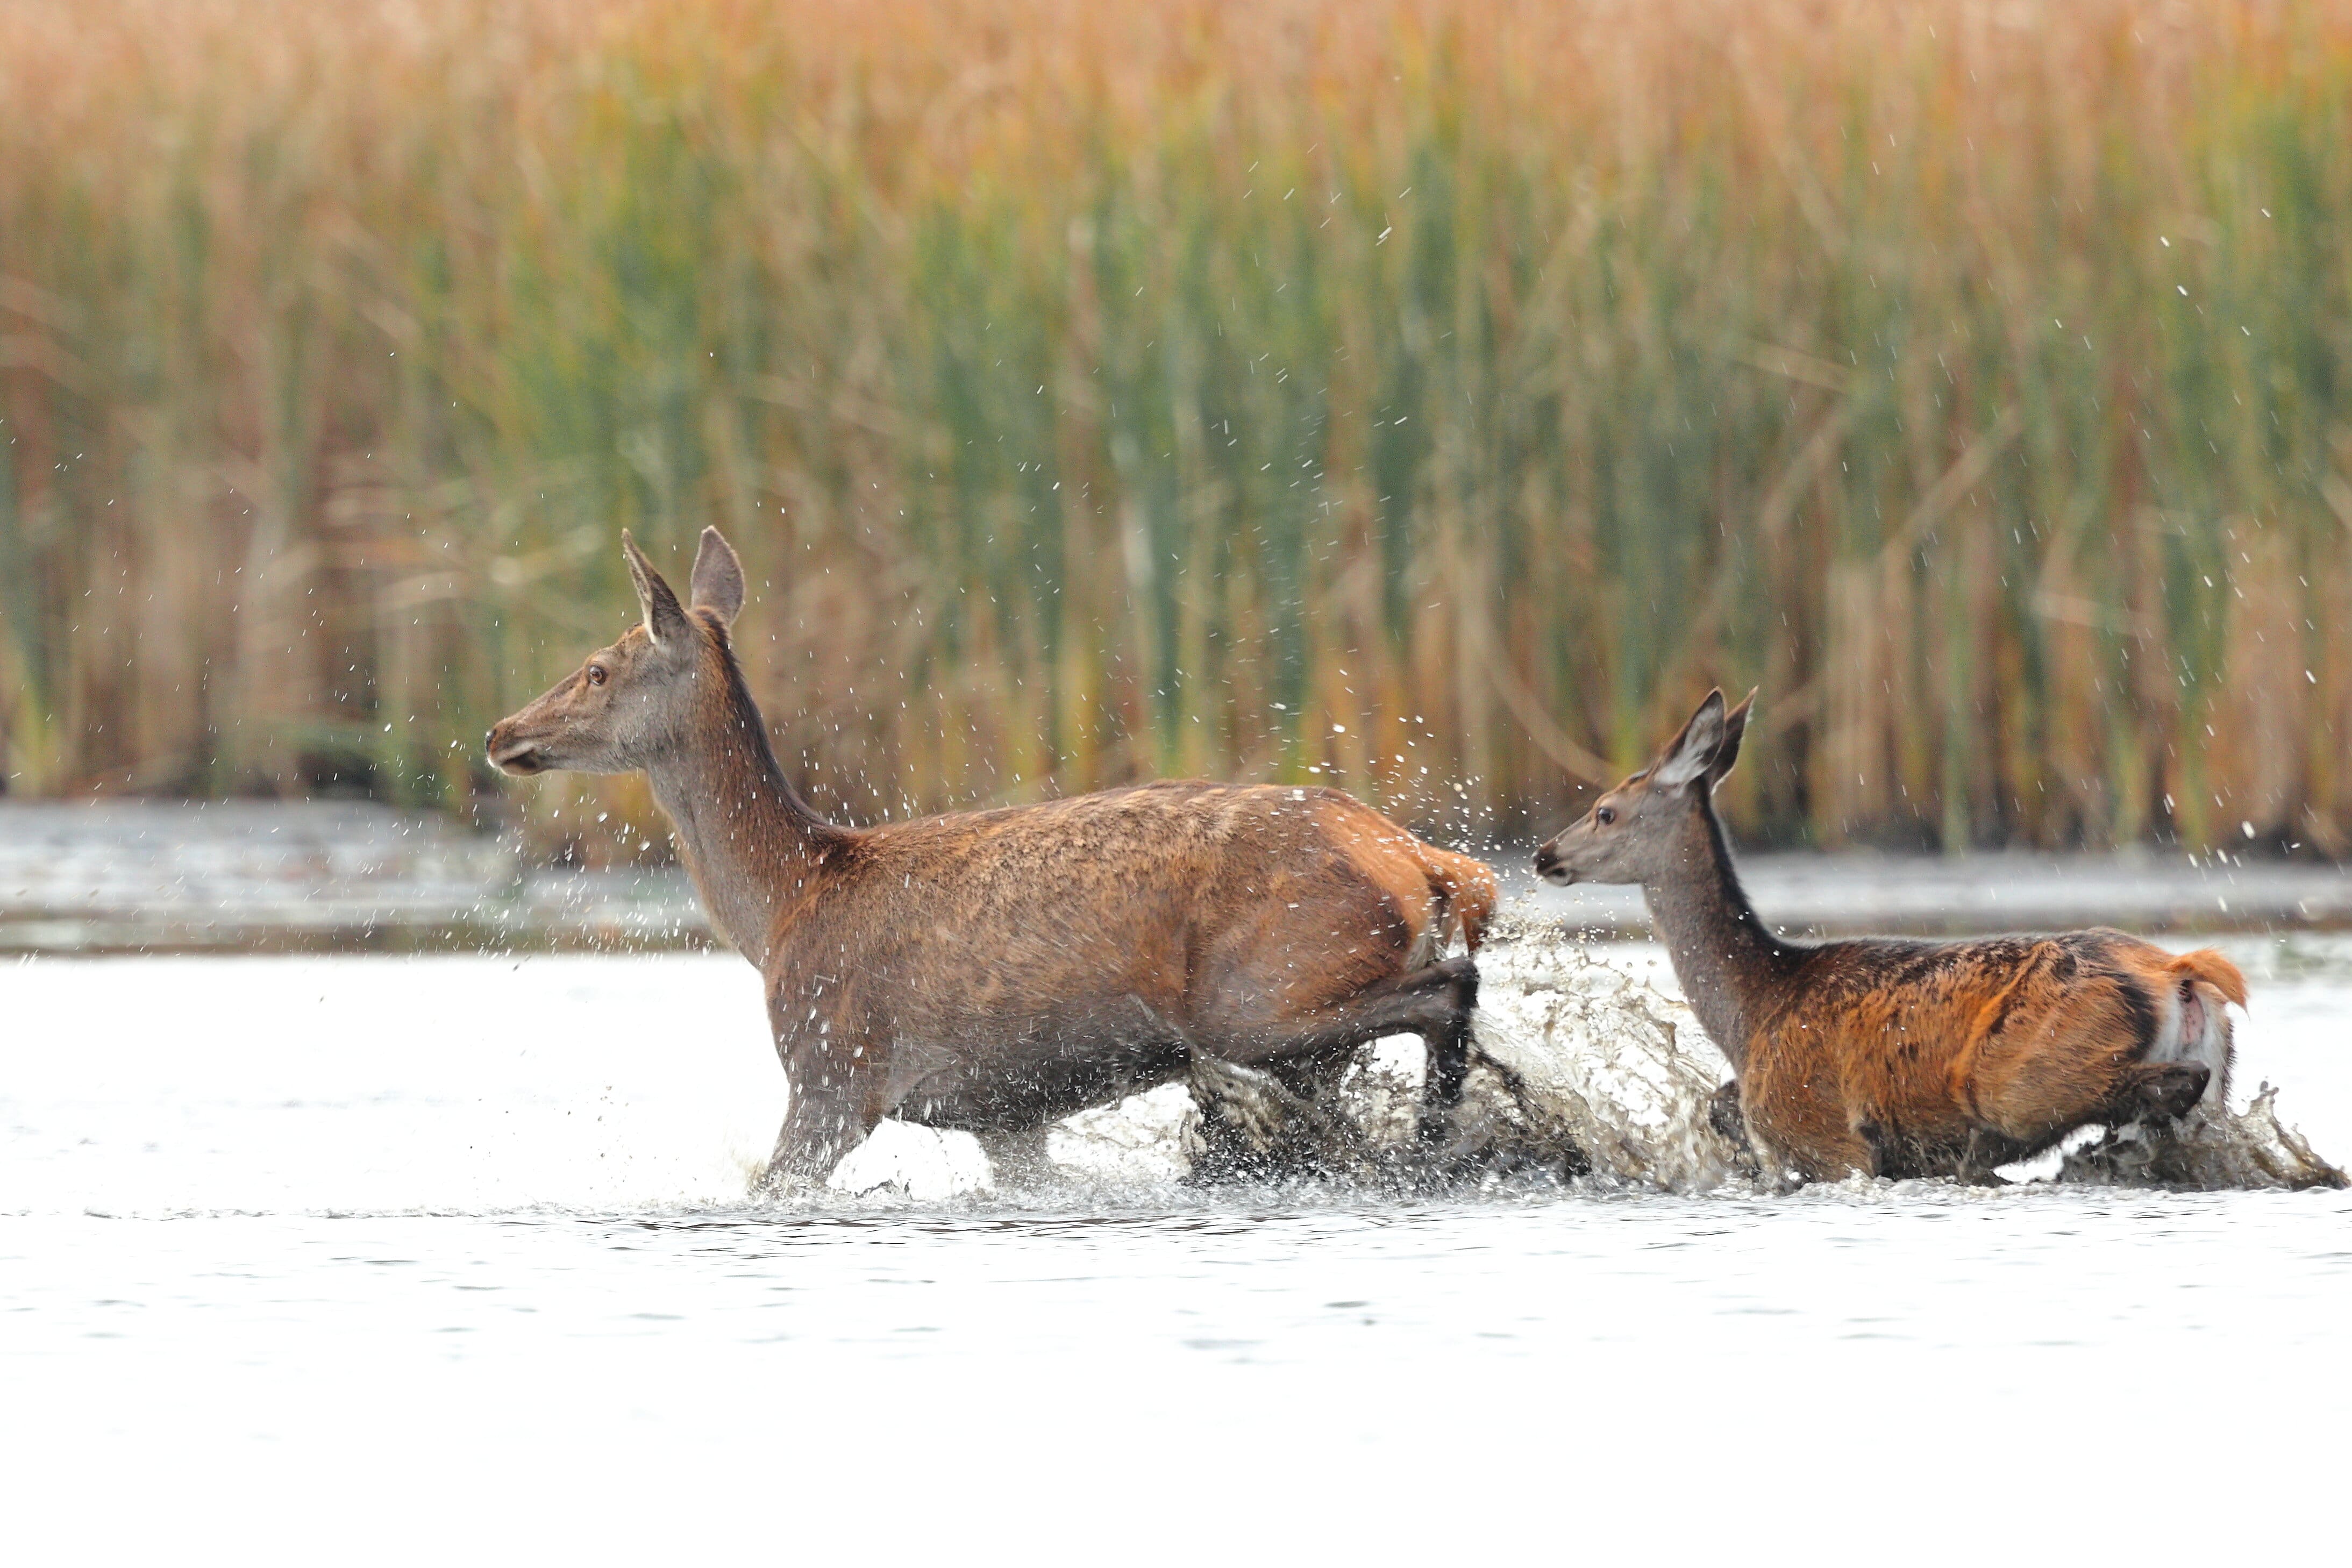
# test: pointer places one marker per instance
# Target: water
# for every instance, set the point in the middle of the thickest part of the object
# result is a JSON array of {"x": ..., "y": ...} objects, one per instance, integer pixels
[
  {"x": 236, "y": 876},
  {"x": 365, "y": 1257},
  {"x": 134, "y": 876}
]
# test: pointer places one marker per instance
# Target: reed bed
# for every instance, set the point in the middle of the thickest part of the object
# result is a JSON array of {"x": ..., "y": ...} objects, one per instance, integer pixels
[{"x": 1434, "y": 398}]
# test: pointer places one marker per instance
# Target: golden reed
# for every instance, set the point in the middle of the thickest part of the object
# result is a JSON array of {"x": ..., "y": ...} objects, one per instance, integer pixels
[{"x": 1433, "y": 397}]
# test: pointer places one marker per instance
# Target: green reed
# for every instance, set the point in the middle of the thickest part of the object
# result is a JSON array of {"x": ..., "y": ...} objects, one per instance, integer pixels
[{"x": 1317, "y": 391}]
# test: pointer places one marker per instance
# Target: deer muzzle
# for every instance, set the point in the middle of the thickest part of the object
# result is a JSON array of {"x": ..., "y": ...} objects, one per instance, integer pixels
[
  {"x": 512, "y": 753},
  {"x": 1552, "y": 867}
]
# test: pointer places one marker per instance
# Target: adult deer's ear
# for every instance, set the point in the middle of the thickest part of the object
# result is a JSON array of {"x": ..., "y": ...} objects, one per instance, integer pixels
[
  {"x": 665, "y": 621},
  {"x": 718, "y": 577},
  {"x": 1686, "y": 756},
  {"x": 1734, "y": 724}
]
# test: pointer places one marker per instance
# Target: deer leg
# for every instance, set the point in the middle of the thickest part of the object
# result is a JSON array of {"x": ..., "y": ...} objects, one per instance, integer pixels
[
  {"x": 2165, "y": 1090},
  {"x": 1253, "y": 1123},
  {"x": 1878, "y": 1142},
  {"x": 1428, "y": 1001},
  {"x": 1313, "y": 1078},
  {"x": 1433, "y": 1002},
  {"x": 1725, "y": 1116},
  {"x": 828, "y": 1116},
  {"x": 1448, "y": 1046},
  {"x": 1283, "y": 1120},
  {"x": 1318, "y": 1133},
  {"x": 1981, "y": 1160}
]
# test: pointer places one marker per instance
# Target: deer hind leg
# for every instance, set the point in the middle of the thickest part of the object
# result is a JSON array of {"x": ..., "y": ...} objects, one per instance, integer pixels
[
  {"x": 1280, "y": 1121},
  {"x": 2094, "y": 1060},
  {"x": 1724, "y": 1114},
  {"x": 1433, "y": 1002},
  {"x": 1449, "y": 1048},
  {"x": 2164, "y": 1090}
]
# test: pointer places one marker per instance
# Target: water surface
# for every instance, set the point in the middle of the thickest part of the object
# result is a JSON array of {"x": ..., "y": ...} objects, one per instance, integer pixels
[{"x": 363, "y": 1258}]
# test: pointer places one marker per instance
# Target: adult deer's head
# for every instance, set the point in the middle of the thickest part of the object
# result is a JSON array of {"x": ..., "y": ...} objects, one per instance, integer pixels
[
  {"x": 630, "y": 703},
  {"x": 1636, "y": 833}
]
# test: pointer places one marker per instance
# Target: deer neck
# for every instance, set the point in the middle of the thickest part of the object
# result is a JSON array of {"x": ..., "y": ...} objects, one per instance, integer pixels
[
  {"x": 1724, "y": 955},
  {"x": 750, "y": 840}
]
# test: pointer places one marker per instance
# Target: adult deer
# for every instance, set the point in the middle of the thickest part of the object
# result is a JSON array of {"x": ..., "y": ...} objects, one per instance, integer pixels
[
  {"x": 995, "y": 971},
  {"x": 1896, "y": 1058}
]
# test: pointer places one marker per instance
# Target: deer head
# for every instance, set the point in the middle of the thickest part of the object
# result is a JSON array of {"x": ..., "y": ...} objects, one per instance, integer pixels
[
  {"x": 629, "y": 704},
  {"x": 1637, "y": 832}
]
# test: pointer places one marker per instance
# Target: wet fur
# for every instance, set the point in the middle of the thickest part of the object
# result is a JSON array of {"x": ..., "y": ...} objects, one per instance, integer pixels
[
  {"x": 995, "y": 971},
  {"x": 998, "y": 970},
  {"x": 1888, "y": 1057},
  {"x": 1916, "y": 1059}
]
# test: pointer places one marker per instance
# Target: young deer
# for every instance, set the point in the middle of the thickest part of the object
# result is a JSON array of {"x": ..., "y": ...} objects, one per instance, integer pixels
[
  {"x": 1888, "y": 1057},
  {"x": 996, "y": 970}
]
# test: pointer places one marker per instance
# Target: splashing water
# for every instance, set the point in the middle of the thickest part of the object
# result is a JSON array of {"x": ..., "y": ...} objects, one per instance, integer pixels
[
  {"x": 2204, "y": 1152},
  {"x": 297, "y": 1234},
  {"x": 1583, "y": 1069},
  {"x": 1622, "y": 1070},
  {"x": 1602, "y": 1061},
  {"x": 1579, "y": 1069}
]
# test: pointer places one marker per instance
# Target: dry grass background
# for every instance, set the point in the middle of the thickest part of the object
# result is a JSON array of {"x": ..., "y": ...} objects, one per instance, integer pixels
[{"x": 1312, "y": 388}]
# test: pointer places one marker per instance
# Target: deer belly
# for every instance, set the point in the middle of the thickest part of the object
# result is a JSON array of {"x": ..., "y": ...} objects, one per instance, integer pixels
[{"x": 1025, "y": 1083}]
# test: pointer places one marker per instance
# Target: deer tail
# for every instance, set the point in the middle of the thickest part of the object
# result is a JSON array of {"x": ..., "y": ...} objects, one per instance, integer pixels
[
  {"x": 2207, "y": 965},
  {"x": 1466, "y": 894}
]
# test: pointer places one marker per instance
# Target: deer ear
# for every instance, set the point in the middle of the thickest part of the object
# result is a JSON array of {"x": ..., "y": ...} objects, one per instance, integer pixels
[
  {"x": 1735, "y": 725},
  {"x": 1686, "y": 756},
  {"x": 718, "y": 577},
  {"x": 665, "y": 621}
]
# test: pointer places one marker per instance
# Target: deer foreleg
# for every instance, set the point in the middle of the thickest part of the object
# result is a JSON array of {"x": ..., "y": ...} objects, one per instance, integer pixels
[{"x": 830, "y": 1115}]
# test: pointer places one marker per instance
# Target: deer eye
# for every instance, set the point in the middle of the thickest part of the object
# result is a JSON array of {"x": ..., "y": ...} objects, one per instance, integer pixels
[
  {"x": 595, "y": 675},
  {"x": 1603, "y": 816}
]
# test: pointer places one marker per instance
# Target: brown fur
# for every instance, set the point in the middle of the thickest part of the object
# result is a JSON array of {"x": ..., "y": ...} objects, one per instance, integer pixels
[
  {"x": 1890, "y": 1056},
  {"x": 998, "y": 970},
  {"x": 1924, "y": 1058}
]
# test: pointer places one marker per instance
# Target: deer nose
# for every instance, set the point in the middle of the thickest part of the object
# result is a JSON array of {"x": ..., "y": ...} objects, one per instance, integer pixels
[{"x": 1547, "y": 860}]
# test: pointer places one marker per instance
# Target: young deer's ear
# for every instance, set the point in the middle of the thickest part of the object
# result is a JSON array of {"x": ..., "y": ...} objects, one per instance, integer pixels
[
  {"x": 1734, "y": 724},
  {"x": 665, "y": 621},
  {"x": 718, "y": 577},
  {"x": 1686, "y": 756}
]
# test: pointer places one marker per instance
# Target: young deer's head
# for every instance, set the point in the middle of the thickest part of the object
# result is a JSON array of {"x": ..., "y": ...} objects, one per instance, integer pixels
[
  {"x": 1639, "y": 832},
  {"x": 629, "y": 705}
]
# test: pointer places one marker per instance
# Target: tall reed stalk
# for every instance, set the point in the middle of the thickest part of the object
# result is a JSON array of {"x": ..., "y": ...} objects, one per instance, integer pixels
[{"x": 1431, "y": 395}]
